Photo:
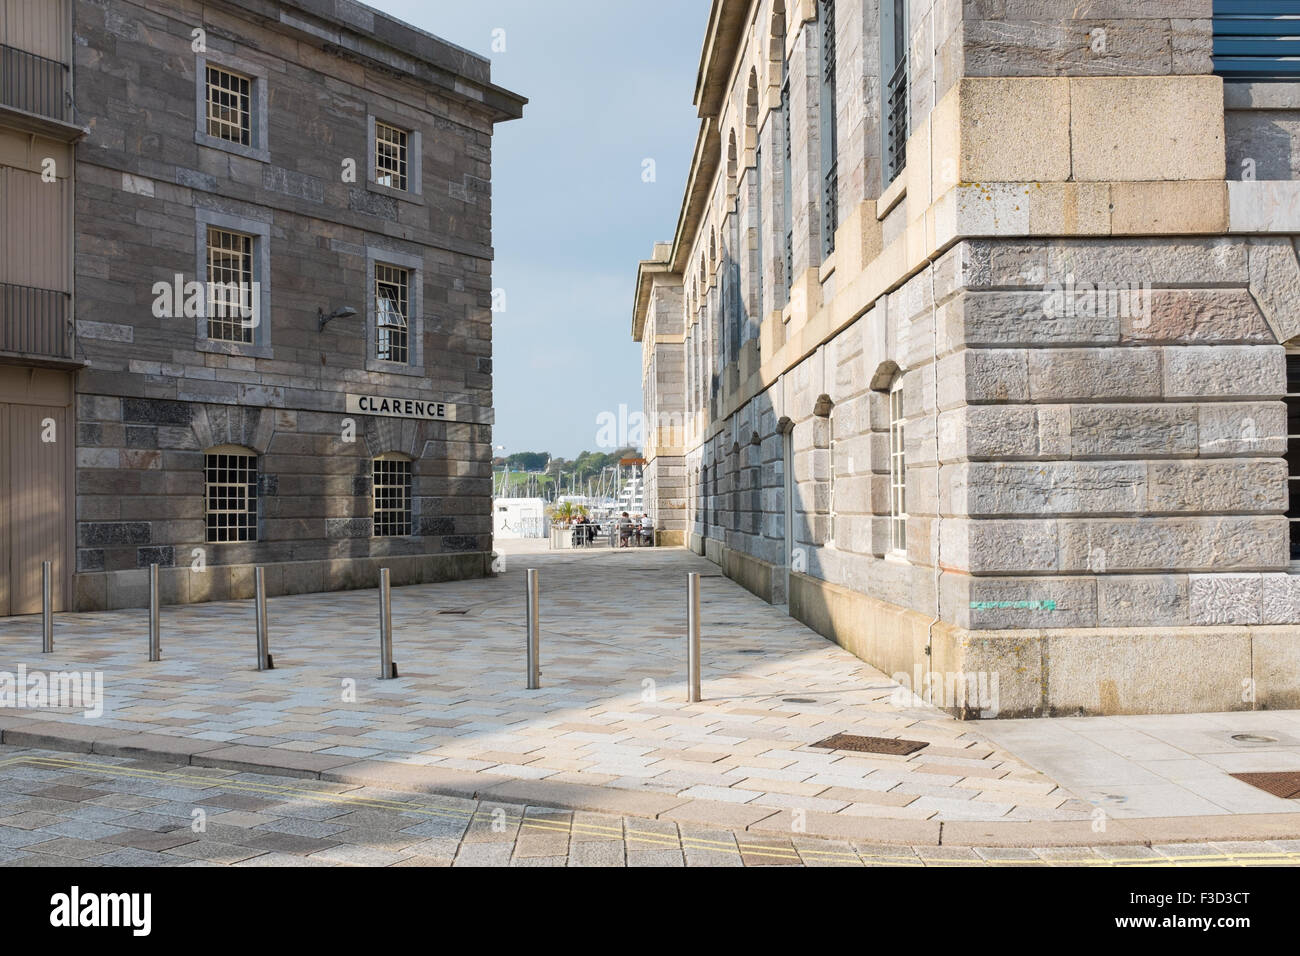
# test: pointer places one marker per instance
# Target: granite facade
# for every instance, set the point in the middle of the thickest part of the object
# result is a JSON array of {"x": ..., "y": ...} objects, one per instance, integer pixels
[
  {"x": 1083, "y": 303},
  {"x": 156, "y": 393}
]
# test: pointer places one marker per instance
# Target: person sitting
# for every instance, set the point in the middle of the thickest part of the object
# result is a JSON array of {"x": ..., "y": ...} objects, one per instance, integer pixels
[
  {"x": 579, "y": 532},
  {"x": 593, "y": 529},
  {"x": 647, "y": 529},
  {"x": 625, "y": 529}
]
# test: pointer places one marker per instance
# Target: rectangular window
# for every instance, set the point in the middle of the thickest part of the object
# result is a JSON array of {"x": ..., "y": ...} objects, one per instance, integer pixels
[
  {"x": 230, "y": 109},
  {"x": 788, "y": 185},
  {"x": 829, "y": 145},
  {"x": 230, "y": 484},
  {"x": 391, "y": 156},
  {"x": 230, "y": 286},
  {"x": 392, "y": 497},
  {"x": 1255, "y": 39},
  {"x": 1293, "y": 451},
  {"x": 894, "y": 106},
  {"x": 392, "y": 297},
  {"x": 897, "y": 472}
]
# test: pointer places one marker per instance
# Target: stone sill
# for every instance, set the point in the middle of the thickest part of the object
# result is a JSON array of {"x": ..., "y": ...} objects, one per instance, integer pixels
[
  {"x": 236, "y": 349},
  {"x": 394, "y": 368},
  {"x": 402, "y": 195},
  {"x": 258, "y": 153},
  {"x": 1248, "y": 95},
  {"x": 892, "y": 195}
]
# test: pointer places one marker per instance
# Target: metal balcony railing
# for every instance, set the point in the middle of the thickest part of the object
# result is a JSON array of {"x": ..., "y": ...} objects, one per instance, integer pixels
[
  {"x": 34, "y": 84},
  {"x": 896, "y": 121},
  {"x": 35, "y": 322}
]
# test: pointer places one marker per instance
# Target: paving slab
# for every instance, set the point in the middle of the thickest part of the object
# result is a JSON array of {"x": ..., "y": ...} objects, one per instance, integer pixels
[{"x": 611, "y": 731}]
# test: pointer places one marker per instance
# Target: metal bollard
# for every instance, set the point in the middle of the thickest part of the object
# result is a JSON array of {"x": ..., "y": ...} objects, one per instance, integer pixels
[
  {"x": 387, "y": 669},
  {"x": 47, "y": 607},
  {"x": 693, "y": 637},
  {"x": 534, "y": 632},
  {"x": 264, "y": 661},
  {"x": 155, "y": 638}
]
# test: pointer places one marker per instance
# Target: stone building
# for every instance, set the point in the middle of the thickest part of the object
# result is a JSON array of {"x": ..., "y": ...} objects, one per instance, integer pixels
[
  {"x": 977, "y": 344},
  {"x": 282, "y": 299}
]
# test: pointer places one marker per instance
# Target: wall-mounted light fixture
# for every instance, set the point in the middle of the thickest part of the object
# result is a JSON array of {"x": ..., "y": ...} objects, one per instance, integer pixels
[{"x": 344, "y": 313}]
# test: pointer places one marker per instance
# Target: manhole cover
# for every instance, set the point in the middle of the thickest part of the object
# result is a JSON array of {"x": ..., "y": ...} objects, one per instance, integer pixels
[
  {"x": 1254, "y": 738},
  {"x": 798, "y": 700},
  {"x": 871, "y": 745},
  {"x": 1284, "y": 784}
]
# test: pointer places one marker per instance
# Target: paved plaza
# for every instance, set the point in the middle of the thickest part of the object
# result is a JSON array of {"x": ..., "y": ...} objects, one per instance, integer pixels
[{"x": 610, "y": 731}]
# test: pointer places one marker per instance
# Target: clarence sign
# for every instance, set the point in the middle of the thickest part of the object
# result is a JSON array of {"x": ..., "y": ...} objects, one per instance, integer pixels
[{"x": 400, "y": 407}]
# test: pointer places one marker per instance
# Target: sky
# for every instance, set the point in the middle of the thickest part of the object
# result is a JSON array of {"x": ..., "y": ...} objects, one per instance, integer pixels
[{"x": 610, "y": 84}]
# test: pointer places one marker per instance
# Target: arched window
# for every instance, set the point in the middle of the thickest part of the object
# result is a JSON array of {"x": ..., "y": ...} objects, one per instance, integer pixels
[
  {"x": 230, "y": 494},
  {"x": 391, "y": 492},
  {"x": 897, "y": 470},
  {"x": 704, "y": 495},
  {"x": 751, "y": 112},
  {"x": 732, "y": 167},
  {"x": 830, "y": 465}
]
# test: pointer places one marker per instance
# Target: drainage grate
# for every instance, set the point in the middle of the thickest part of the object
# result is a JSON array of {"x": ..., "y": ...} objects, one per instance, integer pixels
[
  {"x": 798, "y": 700},
  {"x": 458, "y": 610},
  {"x": 1281, "y": 784},
  {"x": 871, "y": 745}
]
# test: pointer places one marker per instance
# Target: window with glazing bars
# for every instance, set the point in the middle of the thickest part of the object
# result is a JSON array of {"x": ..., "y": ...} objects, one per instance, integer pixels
[
  {"x": 392, "y": 497},
  {"x": 894, "y": 107},
  {"x": 1293, "y": 451},
  {"x": 390, "y": 156},
  {"x": 829, "y": 145},
  {"x": 230, "y": 486},
  {"x": 1256, "y": 39},
  {"x": 897, "y": 471},
  {"x": 230, "y": 112},
  {"x": 830, "y": 518},
  {"x": 392, "y": 290},
  {"x": 230, "y": 286},
  {"x": 787, "y": 211},
  {"x": 758, "y": 229}
]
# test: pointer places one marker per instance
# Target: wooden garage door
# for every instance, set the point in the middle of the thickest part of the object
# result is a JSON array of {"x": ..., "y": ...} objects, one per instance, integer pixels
[{"x": 34, "y": 518}]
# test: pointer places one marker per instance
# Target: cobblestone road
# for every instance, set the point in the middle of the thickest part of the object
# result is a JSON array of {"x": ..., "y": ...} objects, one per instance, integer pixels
[{"x": 60, "y": 809}]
